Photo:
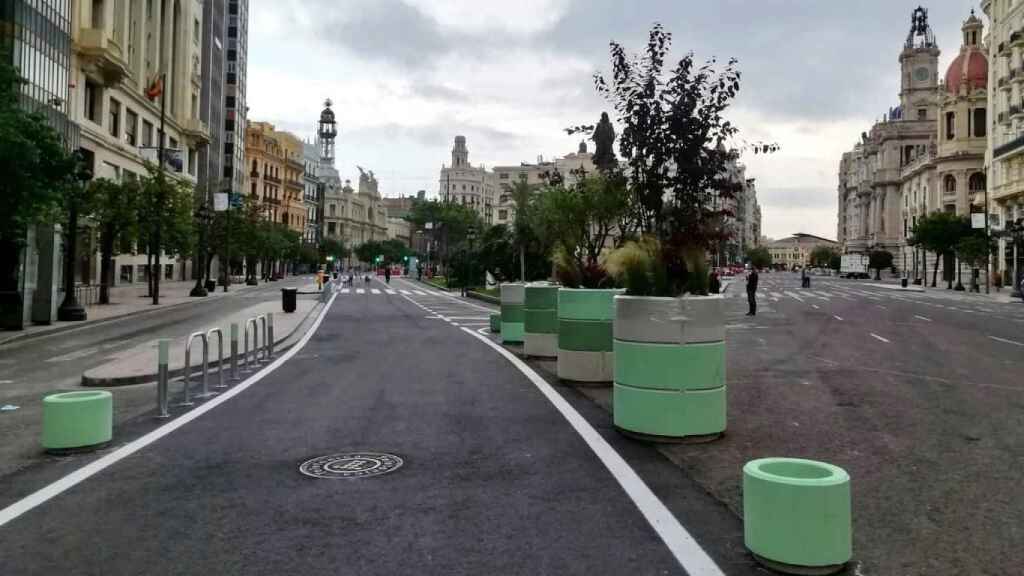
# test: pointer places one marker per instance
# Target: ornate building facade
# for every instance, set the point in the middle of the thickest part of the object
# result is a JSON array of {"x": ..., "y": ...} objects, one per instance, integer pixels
[
  {"x": 926, "y": 155},
  {"x": 469, "y": 185}
]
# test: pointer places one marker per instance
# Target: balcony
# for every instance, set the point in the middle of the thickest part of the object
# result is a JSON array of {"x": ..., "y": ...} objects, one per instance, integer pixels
[
  {"x": 1017, "y": 38},
  {"x": 293, "y": 184},
  {"x": 197, "y": 130},
  {"x": 1016, "y": 111},
  {"x": 1004, "y": 82},
  {"x": 1002, "y": 49},
  {"x": 272, "y": 179},
  {"x": 1013, "y": 147},
  {"x": 272, "y": 201},
  {"x": 102, "y": 55},
  {"x": 1003, "y": 118}
]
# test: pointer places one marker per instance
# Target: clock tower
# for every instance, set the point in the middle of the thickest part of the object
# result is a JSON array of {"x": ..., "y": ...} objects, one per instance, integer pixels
[{"x": 919, "y": 63}]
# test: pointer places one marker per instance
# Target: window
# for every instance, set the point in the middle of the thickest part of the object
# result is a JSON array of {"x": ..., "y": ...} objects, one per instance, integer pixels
[
  {"x": 331, "y": 210},
  {"x": 949, "y": 184},
  {"x": 503, "y": 176},
  {"x": 192, "y": 161},
  {"x": 950, "y": 125},
  {"x": 115, "y": 118},
  {"x": 976, "y": 182},
  {"x": 93, "y": 101},
  {"x": 97, "y": 14},
  {"x": 331, "y": 229},
  {"x": 147, "y": 134},
  {"x": 195, "y": 31},
  {"x": 979, "y": 123},
  {"x": 168, "y": 271},
  {"x": 131, "y": 127},
  {"x": 502, "y": 214},
  {"x": 922, "y": 113},
  {"x": 126, "y": 273}
]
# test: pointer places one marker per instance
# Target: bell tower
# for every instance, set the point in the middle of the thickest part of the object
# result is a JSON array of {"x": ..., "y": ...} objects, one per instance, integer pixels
[
  {"x": 326, "y": 132},
  {"x": 919, "y": 64},
  {"x": 460, "y": 153}
]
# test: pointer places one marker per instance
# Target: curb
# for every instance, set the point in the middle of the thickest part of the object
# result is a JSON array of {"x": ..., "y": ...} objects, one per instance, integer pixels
[
  {"x": 27, "y": 336},
  {"x": 178, "y": 372},
  {"x": 897, "y": 287},
  {"x": 485, "y": 298}
]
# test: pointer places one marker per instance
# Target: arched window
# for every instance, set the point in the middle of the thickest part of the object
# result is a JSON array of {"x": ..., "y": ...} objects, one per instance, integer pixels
[
  {"x": 949, "y": 183},
  {"x": 979, "y": 123},
  {"x": 976, "y": 183}
]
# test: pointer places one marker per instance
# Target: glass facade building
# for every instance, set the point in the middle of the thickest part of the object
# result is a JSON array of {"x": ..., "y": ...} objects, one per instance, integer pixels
[{"x": 36, "y": 38}]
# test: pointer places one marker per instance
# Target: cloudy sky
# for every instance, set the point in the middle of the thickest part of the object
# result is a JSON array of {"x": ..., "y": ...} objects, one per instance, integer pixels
[{"x": 407, "y": 76}]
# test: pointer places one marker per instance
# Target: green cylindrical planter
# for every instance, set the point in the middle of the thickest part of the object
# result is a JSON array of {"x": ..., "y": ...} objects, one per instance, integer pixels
[
  {"x": 585, "y": 350},
  {"x": 540, "y": 320},
  {"x": 74, "y": 421},
  {"x": 512, "y": 298},
  {"x": 669, "y": 367},
  {"x": 496, "y": 322},
  {"x": 796, "y": 515}
]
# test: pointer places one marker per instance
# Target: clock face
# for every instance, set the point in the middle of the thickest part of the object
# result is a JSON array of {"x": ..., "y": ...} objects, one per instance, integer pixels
[{"x": 921, "y": 74}]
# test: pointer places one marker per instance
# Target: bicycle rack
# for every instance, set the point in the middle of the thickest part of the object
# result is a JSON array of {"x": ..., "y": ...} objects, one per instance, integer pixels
[
  {"x": 220, "y": 358},
  {"x": 247, "y": 364},
  {"x": 188, "y": 365},
  {"x": 234, "y": 351}
]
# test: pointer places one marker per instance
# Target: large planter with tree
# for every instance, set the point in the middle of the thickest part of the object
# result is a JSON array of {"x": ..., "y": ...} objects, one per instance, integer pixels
[
  {"x": 540, "y": 320},
  {"x": 669, "y": 350},
  {"x": 670, "y": 366},
  {"x": 513, "y": 297},
  {"x": 585, "y": 329}
]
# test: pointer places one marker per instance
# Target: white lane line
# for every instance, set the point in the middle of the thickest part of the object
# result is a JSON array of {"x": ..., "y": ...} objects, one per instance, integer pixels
[
  {"x": 837, "y": 317},
  {"x": 686, "y": 550},
  {"x": 922, "y": 318},
  {"x": 419, "y": 293},
  {"x": 815, "y": 306},
  {"x": 360, "y": 291},
  {"x": 483, "y": 331},
  {"x": 374, "y": 291},
  {"x": 879, "y": 338},
  {"x": 469, "y": 317},
  {"x": 794, "y": 296},
  {"x": 346, "y": 290},
  {"x": 390, "y": 291},
  {"x": 1005, "y": 341},
  {"x": 776, "y": 295},
  {"x": 880, "y": 306},
  {"x": 50, "y": 491},
  {"x": 405, "y": 292}
]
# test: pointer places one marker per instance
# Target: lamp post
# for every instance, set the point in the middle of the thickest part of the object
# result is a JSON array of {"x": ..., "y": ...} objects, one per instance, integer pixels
[
  {"x": 199, "y": 264},
  {"x": 70, "y": 309},
  {"x": 470, "y": 236},
  {"x": 1016, "y": 230}
]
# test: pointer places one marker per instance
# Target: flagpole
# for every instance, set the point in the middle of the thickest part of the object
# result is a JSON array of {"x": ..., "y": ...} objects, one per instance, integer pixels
[{"x": 160, "y": 187}]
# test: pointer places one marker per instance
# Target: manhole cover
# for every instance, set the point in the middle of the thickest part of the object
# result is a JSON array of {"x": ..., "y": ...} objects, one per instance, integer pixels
[{"x": 351, "y": 465}]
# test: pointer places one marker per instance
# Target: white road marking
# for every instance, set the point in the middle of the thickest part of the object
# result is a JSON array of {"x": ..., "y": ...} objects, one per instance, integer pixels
[
  {"x": 880, "y": 306},
  {"x": 922, "y": 318},
  {"x": 837, "y": 317},
  {"x": 419, "y": 293},
  {"x": 360, "y": 291},
  {"x": 794, "y": 296},
  {"x": 815, "y": 306},
  {"x": 686, "y": 550},
  {"x": 58, "y": 487},
  {"x": 390, "y": 291},
  {"x": 406, "y": 292},
  {"x": 879, "y": 338},
  {"x": 483, "y": 331},
  {"x": 1005, "y": 341},
  {"x": 374, "y": 291},
  {"x": 346, "y": 290},
  {"x": 776, "y": 295},
  {"x": 6, "y": 381}
]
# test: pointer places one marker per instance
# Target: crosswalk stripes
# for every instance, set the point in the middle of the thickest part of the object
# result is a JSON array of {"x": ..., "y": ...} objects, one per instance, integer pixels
[
  {"x": 389, "y": 291},
  {"x": 345, "y": 290},
  {"x": 360, "y": 291},
  {"x": 374, "y": 291}
]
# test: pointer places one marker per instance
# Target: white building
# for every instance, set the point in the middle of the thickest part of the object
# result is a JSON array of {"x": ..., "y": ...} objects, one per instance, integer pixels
[{"x": 468, "y": 185}]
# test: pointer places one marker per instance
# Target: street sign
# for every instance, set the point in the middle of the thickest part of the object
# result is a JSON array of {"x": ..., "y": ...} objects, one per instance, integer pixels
[
  {"x": 220, "y": 202},
  {"x": 236, "y": 200},
  {"x": 977, "y": 220}
]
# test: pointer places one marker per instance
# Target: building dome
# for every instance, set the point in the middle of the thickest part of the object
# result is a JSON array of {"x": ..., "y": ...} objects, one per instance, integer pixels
[{"x": 970, "y": 66}]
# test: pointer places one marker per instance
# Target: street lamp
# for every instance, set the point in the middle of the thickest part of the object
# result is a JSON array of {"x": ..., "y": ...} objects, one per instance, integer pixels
[
  {"x": 470, "y": 236},
  {"x": 1016, "y": 232},
  {"x": 202, "y": 216}
]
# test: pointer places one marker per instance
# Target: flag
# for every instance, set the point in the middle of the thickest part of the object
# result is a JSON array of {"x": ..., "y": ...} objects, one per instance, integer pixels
[{"x": 156, "y": 88}]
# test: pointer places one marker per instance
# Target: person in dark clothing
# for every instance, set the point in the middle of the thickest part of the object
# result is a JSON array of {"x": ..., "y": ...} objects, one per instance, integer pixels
[
  {"x": 714, "y": 284},
  {"x": 752, "y": 292},
  {"x": 387, "y": 274}
]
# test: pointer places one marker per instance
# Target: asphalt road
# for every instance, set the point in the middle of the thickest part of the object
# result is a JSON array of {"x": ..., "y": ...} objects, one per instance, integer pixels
[
  {"x": 919, "y": 396},
  {"x": 494, "y": 481}
]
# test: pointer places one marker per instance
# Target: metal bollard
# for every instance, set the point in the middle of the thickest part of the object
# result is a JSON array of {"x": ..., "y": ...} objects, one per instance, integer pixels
[
  {"x": 270, "y": 335},
  {"x": 234, "y": 351},
  {"x": 220, "y": 356},
  {"x": 245, "y": 356},
  {"x": 164, "y": 347},
  {"x": 188, "y": 365}
]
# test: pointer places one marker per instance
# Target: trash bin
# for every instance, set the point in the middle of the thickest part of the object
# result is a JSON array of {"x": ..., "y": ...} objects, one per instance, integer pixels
[
  {"x": 288, "y": 298},
  {"x": 211, "y": 285},
  {"x": 903, "y": 283}
]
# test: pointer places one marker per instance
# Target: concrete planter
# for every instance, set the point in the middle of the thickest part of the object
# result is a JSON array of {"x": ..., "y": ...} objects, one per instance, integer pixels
[
  {"x": 585, "y": 335},
  {"x": 496, "y": 322},
  {"x": 512, "y": 299},
  {"x": 670, "y": 367},
  {"x": 796, "y": 515},
  {"x": 77, "y": 421},
  {"x": 540, "y": 321}
]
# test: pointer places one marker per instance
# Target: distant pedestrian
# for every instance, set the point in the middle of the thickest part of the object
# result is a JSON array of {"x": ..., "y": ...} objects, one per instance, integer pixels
[
  {"x": 387, "y": 274},
  {"x": 752, "y": 291},
  {"x": 320, "y": 280},
  {"x": 714, "y": 284}
]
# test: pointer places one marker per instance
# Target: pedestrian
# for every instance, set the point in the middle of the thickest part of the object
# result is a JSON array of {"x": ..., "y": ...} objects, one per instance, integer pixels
[
  {"x": 319, "y": 280},
  {"x": 752, "y": 291},
  {"x": 714, "y": 284},
  {"x": 387, "y": 274}
]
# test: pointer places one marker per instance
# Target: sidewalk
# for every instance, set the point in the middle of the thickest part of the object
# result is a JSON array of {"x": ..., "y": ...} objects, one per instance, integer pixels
[
  {"x": 139, "y": 365},
  {"x": 1003, "y": 296},
  {"x": 126, "y": 301}
]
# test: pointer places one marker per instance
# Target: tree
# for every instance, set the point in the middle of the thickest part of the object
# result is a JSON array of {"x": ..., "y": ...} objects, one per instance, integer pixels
[
  {"x": 674, "y": 139},
  {"x": 940, "y": 232},
  {"x": 333, "y": 248},
  {"x": 759, "y": 257},
  {"x": 975, "y": 249},
  {"x": 114, "y": 209},
  {"x": 38, "y": 171},
  {"x": 822, "y": 256},
  {"x": 879, "y": 260},
  {"x": 448, "y": 222}
]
